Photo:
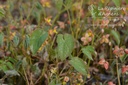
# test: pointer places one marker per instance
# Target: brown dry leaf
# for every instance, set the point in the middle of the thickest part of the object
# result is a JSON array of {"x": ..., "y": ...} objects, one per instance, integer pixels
[
  {"x": 24, "y": 22},
  {"x": 61, "y": 24}
]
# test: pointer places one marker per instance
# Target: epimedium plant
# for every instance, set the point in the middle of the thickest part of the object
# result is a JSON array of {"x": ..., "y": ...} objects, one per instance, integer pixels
[{"x": 50, "y": 44}]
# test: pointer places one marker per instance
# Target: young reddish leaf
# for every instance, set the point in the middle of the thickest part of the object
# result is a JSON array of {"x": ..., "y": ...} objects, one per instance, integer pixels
[
  {"x": 111, "y": 83},
  {"x": 124, "y": 69},
  {"x": 102, "y": 61},
  {"x": 126, "y": 51},
  {"x": 106, "y": 65}
]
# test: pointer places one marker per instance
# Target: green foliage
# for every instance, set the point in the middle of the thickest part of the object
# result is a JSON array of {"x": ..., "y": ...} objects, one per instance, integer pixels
[
  {"x": 37, "y": 39},
  {"x": 117, "y": 2},
  {"x": 79, "y": 65},
  {"x": 52, "y": 82},
  {"x": 18, "y": 64},
  {"x": 88, "y": 51},
  {"x": 8, "y": 67},
  {"x": 39, "y": 6},
  {"x": 2, "y": 12},
  {"x": 1, "y": 39},
  {"x": 26, "y": 42},
  {"x": 16, "y": 40},
  {"x": 12, "y": 73},
  {"x": 116, "y": 36},
  {"x": 93, "y": 11},
  {"x": 126, "y": 1},
  {"x": 68, "y": 3},
  {"x": 49, "y": 33},
  {"x": 59, "y": 4},
  {"x": 12, "y": 60},
  {"x": 65, "y": 45}
]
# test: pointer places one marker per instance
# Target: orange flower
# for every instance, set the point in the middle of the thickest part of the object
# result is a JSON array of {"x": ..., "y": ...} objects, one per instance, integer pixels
[
  {"x": 118, "y": 51},
  {"x": 12, "y": 34},
  {"x": 87, "y": 37},
  {"x": 105, "y": 39},
  {"x": 104, "y": 63},
  {"x": 79, "y": 77},
  {"x": 107, "y": 12},
  {"x": 104, "y": 23},
  {"x": 23, "y": 22}
]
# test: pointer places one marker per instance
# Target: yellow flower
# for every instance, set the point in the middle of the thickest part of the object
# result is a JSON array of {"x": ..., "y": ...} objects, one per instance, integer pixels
[
  {"x": 78, "y": 84},
  {"x": 3, "y": 6},
  {"x": 55, "y": 31},
  {"x": 90, "y": 33},
  {"x": 48, "y": 21},
  {"x": 81, "y": 80},
  {"x": 102, "y": 1},
  {"x": 12, "y": 34},
  {"x": 88, "y": 75},
  {"x": 127, "y": 7},
  {"x": 74, "y": 22},
  {"x": 54, "y": 70},
  {"x": 64, "y": 83},
  {"x": 46, "y": 3}
]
